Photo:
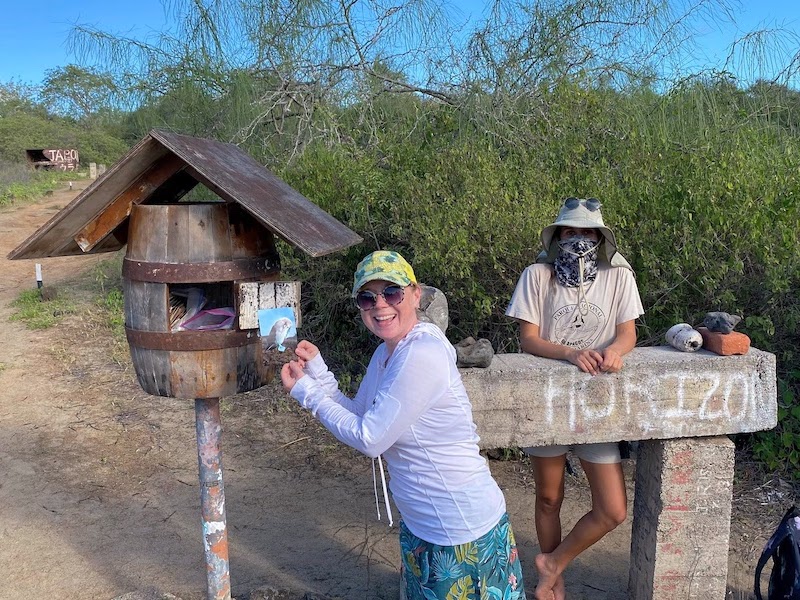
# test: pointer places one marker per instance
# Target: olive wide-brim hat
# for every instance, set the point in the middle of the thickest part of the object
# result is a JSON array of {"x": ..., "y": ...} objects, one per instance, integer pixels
[{"x": 582, "y": 217}]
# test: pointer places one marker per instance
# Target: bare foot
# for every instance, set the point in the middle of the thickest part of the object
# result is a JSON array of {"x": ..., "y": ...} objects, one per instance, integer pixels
[
  {"x": 548, "y": 577},
  {"x": 559, "y": 589}
]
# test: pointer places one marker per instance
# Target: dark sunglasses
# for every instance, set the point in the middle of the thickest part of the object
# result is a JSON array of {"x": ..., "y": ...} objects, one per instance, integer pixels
[
  {"x": 592, "y": 204},
  {"x": 392, "y": 294}
]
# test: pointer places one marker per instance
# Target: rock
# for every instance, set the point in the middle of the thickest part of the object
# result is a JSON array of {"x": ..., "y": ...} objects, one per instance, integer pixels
[
  {"x": 271, "y": 593},
  {"x": 147, "y": 595},
  {"x": 724, "y": 344},
  {"x": 721, "y": 321},
  {"x": 433, "y": 307},
  {"x": 48, "y": 293},
  {"x": 684, "y": 337},
  {"x": 474, "y": 353}
]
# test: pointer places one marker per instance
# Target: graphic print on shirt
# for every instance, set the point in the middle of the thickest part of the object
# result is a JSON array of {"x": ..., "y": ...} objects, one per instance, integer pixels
[{"x": 576, "y": 330}]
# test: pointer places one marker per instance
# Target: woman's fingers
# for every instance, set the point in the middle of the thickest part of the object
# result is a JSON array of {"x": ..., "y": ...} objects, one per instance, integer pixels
[
  {"x": 306, "y": 350},
  {"x": 291, "y": 372},
  {"x": 287, "y": 378},
  {"x": 589, "y": 361}
]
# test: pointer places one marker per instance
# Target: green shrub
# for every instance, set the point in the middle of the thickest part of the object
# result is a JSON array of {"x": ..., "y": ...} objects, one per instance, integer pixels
[
  {"x": 19, "y": 181},
  {"x": 702, "y": 195},
  {"x": 37, "y": 313}
]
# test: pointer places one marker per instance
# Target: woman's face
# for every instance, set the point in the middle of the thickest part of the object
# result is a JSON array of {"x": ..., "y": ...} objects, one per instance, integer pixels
[
  {"x": 391, "y": 323},
  {"x": 568, "y": 232}
]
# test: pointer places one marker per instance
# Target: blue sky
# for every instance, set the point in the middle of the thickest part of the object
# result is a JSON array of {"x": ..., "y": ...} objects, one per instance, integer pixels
[{"x": 33, "y": 40}]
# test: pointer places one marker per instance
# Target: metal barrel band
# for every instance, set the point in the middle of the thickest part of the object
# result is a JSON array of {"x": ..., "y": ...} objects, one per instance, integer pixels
[
  {"x": 190, "y": 341},
  {"x": 205, "y": 272}
]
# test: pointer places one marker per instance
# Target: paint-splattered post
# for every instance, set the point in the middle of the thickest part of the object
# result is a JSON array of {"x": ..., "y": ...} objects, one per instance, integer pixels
[{"x": 212, "y": 497}]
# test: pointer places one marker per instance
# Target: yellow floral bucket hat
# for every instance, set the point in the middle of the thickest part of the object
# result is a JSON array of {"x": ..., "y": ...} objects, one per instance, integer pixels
[{"x": 383, "y": 265}]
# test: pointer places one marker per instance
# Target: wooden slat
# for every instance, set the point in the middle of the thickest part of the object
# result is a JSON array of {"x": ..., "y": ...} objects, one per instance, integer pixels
[
  {"x": 146, "y": 305},
  {"x": 115, "y": 213},
  {"x": 254, "y": 296},
  {"x": 152, "y": 370},
  {"x": 148, "y": 229},
  {"x": 248, "y": 305}
]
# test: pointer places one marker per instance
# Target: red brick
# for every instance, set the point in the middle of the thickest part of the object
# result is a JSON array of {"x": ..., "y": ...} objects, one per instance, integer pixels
[{"x": 724, "y": 343}]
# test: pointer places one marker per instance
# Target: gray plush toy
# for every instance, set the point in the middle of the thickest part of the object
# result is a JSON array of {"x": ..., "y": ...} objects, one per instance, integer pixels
[{"x": 721, "y": 321}]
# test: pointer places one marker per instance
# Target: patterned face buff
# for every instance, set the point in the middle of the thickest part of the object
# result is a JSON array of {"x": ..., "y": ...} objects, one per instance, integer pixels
[{"x": 576, "y": 262}]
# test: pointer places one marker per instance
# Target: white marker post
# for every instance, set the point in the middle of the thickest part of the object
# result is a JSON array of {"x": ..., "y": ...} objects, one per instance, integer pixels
[{"x": 39, "y": 283}]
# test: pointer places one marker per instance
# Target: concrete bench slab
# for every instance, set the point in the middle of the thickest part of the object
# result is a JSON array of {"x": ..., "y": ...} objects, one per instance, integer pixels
[{"x": 661, "y": 393}]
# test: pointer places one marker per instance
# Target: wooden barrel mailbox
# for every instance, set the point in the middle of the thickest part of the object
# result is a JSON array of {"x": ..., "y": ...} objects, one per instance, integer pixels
[
  {"x": 220, "y": 250},
  {"x": 209, "y": 262},
  {"x": 177, "y": 252}
]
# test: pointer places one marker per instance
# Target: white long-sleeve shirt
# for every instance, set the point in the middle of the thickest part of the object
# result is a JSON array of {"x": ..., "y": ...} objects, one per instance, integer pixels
[{"x": 413, "y": 409}]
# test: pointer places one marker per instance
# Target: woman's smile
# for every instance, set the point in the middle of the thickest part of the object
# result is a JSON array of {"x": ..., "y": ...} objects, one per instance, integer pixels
[{"x": 389, "y": 322}]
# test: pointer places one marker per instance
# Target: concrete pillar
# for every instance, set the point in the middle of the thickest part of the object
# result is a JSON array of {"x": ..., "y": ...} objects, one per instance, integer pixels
[
  {"x": 101, "y": 168},
  {"x": 681, "y": 519},
  {"x": 92, "y": 170}
]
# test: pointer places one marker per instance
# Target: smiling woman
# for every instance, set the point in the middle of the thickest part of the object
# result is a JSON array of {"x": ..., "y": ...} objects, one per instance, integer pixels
[
  {"x": 388, "y": 296},
  {"x": 413, "y": 411}
]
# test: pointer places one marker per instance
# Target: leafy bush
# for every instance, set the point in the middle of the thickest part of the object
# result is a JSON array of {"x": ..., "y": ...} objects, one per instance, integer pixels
[
  {"x": 20, "y": 182},
  {"x": 703, "y": 198}
]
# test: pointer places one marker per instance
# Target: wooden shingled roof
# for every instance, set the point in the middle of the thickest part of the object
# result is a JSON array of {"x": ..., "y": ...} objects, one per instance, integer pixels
[{"x": 163, "y": 167}]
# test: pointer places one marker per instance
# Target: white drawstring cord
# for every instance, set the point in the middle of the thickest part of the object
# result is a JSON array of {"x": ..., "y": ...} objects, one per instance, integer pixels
[
  {"x": 385, "y": 491},
  {"x": 581, "y": 291},
  {"x": 375, "y": 489}
]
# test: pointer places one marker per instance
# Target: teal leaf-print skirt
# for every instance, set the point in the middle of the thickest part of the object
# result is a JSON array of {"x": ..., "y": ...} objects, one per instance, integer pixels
[{"x": 485, "y": 569}]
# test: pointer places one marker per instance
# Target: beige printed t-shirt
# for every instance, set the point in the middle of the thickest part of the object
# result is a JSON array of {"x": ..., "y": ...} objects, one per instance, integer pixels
[{"x": 612, "y": 298}]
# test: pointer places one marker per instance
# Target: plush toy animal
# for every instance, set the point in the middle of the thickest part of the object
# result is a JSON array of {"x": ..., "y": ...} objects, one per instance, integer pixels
[{"x": 721, "y": 321}]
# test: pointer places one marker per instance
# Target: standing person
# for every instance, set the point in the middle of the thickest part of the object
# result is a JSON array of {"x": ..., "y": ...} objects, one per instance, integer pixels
[
  {"x": 412, "y": 410},
  {"x": 578, "y": 302}
]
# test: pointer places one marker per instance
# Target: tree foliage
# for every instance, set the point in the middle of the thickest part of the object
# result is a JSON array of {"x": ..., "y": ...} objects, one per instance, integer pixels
[
  {"x": 27, "y": 124},
  {"x": 82, "y": 94}
]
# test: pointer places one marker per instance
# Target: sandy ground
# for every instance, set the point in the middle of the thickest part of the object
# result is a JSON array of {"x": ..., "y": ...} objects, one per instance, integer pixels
[{"x": 99, "y": 493}]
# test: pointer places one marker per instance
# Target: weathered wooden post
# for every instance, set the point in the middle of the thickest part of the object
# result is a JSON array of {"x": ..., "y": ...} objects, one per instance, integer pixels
[{"x": 221, "y": 251}]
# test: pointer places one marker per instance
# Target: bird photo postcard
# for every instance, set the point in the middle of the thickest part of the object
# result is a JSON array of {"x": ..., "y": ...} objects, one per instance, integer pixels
[{"x": 278, "y": 328}]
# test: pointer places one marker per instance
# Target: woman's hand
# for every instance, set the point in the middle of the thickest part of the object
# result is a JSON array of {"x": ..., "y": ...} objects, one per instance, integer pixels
[
  {"x": 588, "y": 361},
  {"x": 612, "y": 361},
  {"x": 291, "y": 373},
  {"x": 306, "y": 350}
]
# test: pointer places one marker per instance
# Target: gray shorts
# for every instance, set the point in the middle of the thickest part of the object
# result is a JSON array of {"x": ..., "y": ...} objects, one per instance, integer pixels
[{"x": 605, "y": 453}]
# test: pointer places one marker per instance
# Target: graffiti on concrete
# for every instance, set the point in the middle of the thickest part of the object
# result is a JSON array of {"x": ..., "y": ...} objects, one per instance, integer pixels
[{"x": 708, "y": 396}]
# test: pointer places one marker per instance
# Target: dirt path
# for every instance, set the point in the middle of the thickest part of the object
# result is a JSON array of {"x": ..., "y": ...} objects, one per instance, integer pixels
[{"x": 99, "y": 494}]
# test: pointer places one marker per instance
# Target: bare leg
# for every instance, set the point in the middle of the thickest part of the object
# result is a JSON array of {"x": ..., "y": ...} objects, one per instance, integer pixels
[
  {"x": 548, "y": 473},
  {"x": 609, "y": 509}
]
